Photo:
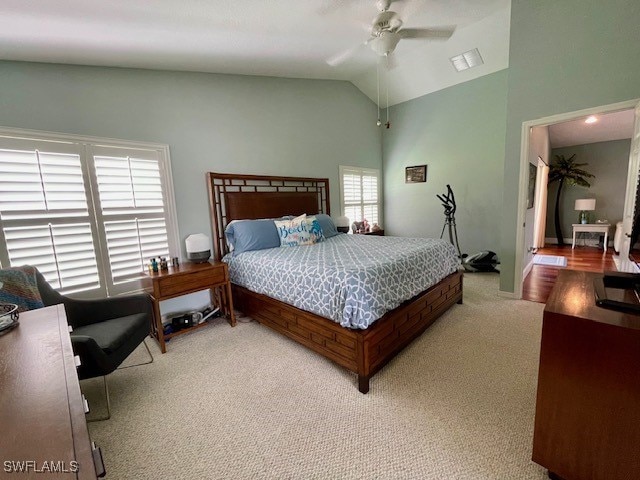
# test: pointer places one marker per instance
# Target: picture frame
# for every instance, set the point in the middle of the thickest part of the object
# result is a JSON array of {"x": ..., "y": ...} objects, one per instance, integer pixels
[{"x": 415, "y": 174}]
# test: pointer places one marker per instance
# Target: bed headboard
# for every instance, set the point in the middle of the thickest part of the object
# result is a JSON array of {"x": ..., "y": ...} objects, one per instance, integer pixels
[{"x": 235, "y": 197}]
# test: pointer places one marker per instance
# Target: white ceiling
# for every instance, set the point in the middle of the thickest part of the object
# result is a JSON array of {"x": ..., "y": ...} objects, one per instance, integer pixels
[
  {"x": 284, "y": 38},
  {"x": 611, "y": 126}
]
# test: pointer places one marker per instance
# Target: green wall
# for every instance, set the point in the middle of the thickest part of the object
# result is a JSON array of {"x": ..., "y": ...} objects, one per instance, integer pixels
[
  {"x": 609, "y": 162},
  {"x": 223, "y": 123},
  {"x": 564, "y": 56},
  {"x": 458, "y": 133}
]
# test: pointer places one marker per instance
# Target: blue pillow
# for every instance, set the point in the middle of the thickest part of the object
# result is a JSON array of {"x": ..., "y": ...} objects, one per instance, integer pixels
[
  {"x": 247, "y": 235},
  {"x": 326, "y": 224}
]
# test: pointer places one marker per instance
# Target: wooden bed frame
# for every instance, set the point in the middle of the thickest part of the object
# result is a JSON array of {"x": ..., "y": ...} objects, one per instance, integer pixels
[{"x": 361, "y": 351}]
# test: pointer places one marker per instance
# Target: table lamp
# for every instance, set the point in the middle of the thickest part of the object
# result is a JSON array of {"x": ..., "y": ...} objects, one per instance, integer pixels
[
  {"x": 342, "y": 224},
  {"x": 585, "y": 205}
]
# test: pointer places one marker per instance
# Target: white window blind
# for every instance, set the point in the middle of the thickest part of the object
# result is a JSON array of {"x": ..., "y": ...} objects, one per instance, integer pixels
[
  {"x": 45, "y": 216},
  {"x": 360, "y": 194},
  {"x": 132, "y": 206},
  {"x": 88, "y": 216}
]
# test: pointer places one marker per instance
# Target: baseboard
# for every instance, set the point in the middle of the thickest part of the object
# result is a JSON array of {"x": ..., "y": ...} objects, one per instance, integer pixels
[
  {"x": 554, "y": 240},
  {"x": 527, "y": 269},
  {"x": 579, "y": 243},
  {"x": 511, "y": 295}
]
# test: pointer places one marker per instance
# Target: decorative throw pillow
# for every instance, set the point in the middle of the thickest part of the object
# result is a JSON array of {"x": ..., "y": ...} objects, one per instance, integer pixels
[
  {"x": 316, "y": 233},
  {"x": 294, "y": 232},
  {"x": 19, "y": 286}
]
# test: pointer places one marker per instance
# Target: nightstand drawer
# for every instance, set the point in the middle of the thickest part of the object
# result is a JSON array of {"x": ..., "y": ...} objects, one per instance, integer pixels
[{"x": 178, "y": 284}]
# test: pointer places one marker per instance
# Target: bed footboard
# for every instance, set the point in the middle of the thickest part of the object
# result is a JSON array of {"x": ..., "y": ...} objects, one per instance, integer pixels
[{"x": 361, "y": 351}]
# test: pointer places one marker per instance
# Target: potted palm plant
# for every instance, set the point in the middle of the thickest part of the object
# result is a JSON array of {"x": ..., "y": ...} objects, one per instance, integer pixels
[{"x": 566, "y": 171}]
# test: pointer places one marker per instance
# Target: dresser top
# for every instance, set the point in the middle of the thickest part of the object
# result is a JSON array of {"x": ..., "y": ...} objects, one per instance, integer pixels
[{"x": 573, "y": 295}]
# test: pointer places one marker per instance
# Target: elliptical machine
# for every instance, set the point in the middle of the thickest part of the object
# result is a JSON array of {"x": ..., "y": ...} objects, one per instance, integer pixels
[
  {"x": 485, "y": 261},
  {"x": 449, "y": 203}
]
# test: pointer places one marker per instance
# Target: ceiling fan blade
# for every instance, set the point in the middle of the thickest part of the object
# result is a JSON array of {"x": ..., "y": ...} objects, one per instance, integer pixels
[
  {"x": 333, "y": 6},
  {"x": 341, "y": 57},
  {"x": 441, "y": 33}
]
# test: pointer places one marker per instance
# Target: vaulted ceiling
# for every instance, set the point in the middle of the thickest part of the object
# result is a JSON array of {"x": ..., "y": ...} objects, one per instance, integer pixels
[{"x": 283, "y": 38}]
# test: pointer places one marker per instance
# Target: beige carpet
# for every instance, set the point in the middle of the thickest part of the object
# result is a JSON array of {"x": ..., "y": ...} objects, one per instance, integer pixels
[{"x": 246, "y": 402}]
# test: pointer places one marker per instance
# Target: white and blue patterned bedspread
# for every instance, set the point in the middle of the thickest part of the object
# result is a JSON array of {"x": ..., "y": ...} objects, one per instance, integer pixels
[{"x": 351, "y": 279}]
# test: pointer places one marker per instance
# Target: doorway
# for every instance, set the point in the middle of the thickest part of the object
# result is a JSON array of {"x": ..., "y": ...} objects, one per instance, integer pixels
[{"x": 562, "y": 134}]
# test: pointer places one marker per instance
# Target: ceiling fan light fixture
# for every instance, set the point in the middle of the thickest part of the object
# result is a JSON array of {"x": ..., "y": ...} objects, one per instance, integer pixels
[
  {"x": 466, "y": 60},
  {"x": 384, "y": 43}
]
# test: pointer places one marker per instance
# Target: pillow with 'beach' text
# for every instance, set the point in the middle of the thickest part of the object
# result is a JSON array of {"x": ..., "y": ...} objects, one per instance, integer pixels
[{"x": 294, "y": 232}]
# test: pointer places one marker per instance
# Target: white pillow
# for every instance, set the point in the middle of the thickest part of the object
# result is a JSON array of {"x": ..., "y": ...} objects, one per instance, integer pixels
[{"x": 294, "y": 232}]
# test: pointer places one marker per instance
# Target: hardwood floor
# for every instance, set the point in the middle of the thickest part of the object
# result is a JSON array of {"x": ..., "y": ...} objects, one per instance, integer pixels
[{"x": 538, "y": 284}]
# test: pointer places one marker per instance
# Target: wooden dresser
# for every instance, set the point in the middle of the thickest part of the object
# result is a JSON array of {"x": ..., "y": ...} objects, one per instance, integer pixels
[
  {"x": 587, "y": 424},
  {"x": 43, "y": 430}
]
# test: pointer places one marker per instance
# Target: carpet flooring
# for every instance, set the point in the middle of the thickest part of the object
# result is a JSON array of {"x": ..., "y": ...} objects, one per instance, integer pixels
[{"x": 245, "y": 402}]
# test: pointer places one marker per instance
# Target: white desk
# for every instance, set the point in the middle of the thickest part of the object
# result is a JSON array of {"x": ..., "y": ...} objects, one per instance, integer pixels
[{"x": 591, "y": 227}]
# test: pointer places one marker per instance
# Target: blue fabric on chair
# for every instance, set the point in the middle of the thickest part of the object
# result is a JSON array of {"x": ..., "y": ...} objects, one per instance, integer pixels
[{"x": 19, "y": 286}]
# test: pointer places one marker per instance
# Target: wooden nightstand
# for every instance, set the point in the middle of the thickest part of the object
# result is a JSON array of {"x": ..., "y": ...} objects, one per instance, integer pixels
[
  {"x": 190, "y": 278},
  {"x": 380, "y": 233}
]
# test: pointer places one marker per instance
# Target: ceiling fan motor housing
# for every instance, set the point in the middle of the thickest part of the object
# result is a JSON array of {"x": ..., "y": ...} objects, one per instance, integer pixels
[
  {"x": 383, "y": 5},
  {"x": 385, "y": 21}
]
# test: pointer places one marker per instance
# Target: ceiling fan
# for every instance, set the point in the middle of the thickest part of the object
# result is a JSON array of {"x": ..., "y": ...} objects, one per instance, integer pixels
[{"x": 386, "y": 32}]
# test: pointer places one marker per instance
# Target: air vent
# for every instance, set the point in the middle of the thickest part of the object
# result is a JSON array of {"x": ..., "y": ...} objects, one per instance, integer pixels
[{"x": 467, "y": 60}]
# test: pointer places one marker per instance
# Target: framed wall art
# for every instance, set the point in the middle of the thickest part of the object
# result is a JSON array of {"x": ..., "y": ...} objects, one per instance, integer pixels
[{"x": 416, "y": 174}]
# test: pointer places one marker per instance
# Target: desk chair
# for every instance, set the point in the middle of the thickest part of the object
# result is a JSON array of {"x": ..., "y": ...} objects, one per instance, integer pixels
[{"x": 105, "y": 331}]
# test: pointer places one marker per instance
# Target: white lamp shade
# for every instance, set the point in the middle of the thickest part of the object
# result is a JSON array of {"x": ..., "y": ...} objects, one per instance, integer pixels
[
  {"x": 585, "y": 204},
  {"x": 198, "y": 242},
  {"x": 341, "y": 221}
]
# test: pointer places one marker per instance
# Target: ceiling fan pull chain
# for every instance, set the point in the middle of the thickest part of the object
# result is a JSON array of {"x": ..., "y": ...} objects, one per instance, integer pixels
[
  {"x": 388, "y": 124},
  {"x": 378, "y": 122}
]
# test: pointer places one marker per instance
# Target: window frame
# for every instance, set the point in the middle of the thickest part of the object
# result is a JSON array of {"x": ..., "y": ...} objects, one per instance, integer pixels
[
  {"x": 362, "y": 171},
  {"x": 85, "y": 145}
]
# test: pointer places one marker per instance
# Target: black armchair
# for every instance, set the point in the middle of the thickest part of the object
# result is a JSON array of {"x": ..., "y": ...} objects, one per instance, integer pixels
[{"x": 105, "y": 331}]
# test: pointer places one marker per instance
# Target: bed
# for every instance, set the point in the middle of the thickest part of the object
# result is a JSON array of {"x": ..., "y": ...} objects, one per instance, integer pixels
[{"x": 361, "y": 338}]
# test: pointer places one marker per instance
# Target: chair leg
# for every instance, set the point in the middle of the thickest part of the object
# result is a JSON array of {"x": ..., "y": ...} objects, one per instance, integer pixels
[
  {"x": 143, "y": 363},
  {"x": 106, "y": 385},
  {"x": 106, "y": 394}
]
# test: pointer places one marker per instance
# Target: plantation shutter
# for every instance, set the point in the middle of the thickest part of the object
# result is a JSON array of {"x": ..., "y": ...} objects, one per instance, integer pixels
[
  {"x": 132, "y": 210},
  {"x": 360, "y": 194},
  {"x": 88, "y": 215},
  {"x": 45, "y": 213}
]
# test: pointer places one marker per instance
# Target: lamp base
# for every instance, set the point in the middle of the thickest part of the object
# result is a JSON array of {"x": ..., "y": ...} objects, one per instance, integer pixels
[{"x": 583, "y": 217}]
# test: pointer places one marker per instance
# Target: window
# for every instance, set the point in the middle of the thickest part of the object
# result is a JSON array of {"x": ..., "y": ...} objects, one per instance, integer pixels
[
  {"x": 360, "y": 194},
  {"x": 88, "y": 213}
]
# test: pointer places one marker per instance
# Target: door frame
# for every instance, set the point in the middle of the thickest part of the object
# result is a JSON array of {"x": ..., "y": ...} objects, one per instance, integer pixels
[
  {"x": 623, "y": 261},
  {"x": 524, "y": 171}
]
